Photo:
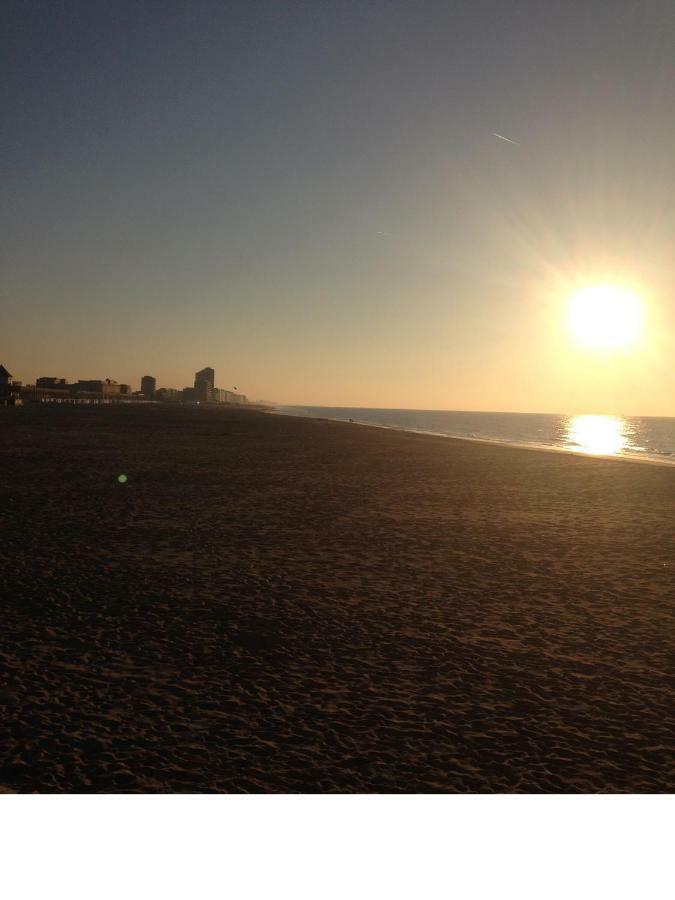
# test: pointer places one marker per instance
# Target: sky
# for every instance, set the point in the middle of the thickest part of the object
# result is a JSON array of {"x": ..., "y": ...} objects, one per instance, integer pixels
[{"x": 311, "y": 198}]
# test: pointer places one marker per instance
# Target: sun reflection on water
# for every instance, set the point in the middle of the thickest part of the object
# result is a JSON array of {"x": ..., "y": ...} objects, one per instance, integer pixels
[{"x": 599, "y": 435}]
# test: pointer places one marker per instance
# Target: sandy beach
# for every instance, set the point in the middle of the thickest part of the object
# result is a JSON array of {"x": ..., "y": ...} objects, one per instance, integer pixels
[{"x": 280, "y": 605}]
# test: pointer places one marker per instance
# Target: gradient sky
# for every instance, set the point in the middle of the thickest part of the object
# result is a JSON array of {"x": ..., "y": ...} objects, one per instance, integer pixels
[{"x": 309, "y": 197}]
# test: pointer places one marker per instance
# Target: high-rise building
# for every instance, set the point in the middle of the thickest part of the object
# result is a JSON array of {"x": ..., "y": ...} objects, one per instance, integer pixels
[
  {"x": 148, "y": 386},
  {"x": 204, "y": 381}
]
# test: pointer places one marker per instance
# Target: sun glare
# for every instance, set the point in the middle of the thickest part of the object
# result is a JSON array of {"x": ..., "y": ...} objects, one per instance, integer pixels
[
  {"x": 605, "y": 316},
  {"x": 598, "y": 435}
]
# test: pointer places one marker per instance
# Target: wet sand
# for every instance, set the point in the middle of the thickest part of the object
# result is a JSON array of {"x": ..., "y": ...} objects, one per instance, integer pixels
[{"x": 279, "y": 604}]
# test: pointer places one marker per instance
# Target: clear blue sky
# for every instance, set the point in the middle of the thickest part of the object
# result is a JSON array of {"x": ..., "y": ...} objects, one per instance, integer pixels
[{"x": 310, "y": 197}]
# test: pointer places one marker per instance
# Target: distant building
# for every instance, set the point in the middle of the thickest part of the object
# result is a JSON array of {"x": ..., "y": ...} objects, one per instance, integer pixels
[
  {"x": 204, "y": 381},
  {"x": 168, "y": 395},
  {"x": 189, "y": 395},
  {"x": 49, "y": 382},
  {"x": 107, "y": 388},
  {"x": 148, "y": 387},
  {"x": 90, "y": 386},
  {"x": 111, "y": 388},
  {"x": 10, "y": 391},
  {"x": 219, "y": 395}
]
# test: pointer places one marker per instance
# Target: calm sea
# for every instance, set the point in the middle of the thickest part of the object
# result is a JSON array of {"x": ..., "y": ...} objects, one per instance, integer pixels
[{"x": 628, "y": 436}]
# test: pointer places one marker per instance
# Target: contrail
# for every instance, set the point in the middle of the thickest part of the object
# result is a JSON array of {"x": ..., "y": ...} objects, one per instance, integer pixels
[{"x": 502, "y": 138}]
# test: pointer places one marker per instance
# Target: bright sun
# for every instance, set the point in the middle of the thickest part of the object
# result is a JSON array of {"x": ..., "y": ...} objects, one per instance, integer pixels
[{"x": 605, "y": 316}]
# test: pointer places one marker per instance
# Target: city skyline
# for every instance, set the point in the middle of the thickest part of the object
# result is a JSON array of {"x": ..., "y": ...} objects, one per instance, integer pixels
[
  {"x": 271, "y": 398},
  {"x": 44, "y": 388},
  {"x": 386, "y": 206}
]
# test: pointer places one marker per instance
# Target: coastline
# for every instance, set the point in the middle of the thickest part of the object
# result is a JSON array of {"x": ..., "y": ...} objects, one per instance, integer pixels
[{"x": 519, "y": 445}]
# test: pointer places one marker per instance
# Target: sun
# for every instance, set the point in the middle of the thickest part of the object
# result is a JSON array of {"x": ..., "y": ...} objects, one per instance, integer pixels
[{"x": 605, "y": 316}]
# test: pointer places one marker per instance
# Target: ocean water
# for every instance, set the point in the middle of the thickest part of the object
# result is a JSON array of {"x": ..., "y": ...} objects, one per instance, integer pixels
[{"x": 641, "y": 437}]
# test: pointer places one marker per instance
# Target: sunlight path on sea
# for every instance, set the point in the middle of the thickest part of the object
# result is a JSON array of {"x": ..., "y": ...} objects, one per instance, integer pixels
[{"x": 599, "y": 435}]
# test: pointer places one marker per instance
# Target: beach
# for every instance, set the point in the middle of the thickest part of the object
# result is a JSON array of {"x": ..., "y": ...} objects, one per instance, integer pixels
[{"x": 277, "y": 604}]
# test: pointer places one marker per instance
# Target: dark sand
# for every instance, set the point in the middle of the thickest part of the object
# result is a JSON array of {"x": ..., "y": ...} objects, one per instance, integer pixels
[{"x": 278, "y": 604}]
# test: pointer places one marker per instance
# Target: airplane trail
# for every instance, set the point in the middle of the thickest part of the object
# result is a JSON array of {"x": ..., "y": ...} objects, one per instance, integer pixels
[{"x": 502, "y": 138}]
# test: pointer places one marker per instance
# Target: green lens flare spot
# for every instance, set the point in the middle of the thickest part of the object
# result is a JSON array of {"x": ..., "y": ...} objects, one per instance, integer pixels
[{"x": 122, "y": 479}]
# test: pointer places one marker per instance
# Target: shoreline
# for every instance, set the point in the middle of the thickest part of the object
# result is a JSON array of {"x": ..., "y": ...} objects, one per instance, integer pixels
[{"x": 493, "y": 442}]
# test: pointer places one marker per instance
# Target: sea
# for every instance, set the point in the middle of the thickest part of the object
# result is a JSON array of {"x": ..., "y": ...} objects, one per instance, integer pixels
[{"x": 632, "y": 437}]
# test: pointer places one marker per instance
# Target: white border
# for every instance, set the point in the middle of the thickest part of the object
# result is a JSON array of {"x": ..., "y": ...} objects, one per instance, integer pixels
[{"x": 544, "y": 847}]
